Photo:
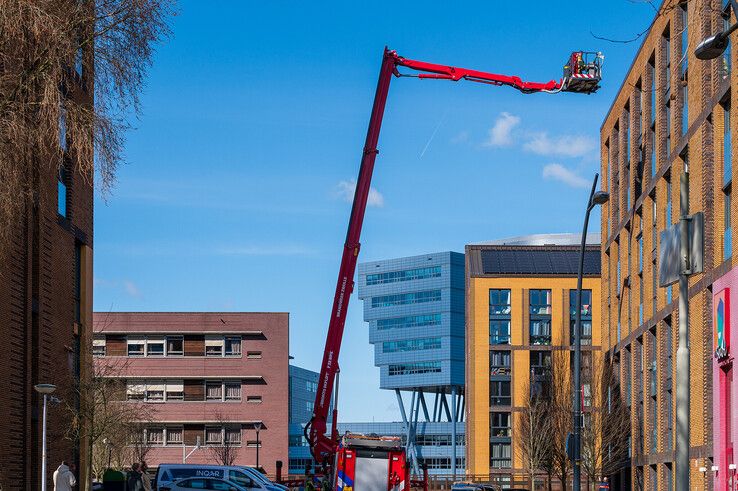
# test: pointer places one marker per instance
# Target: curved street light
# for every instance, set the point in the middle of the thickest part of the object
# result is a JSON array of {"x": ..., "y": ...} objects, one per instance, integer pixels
[{"x": 595, "y": 198}]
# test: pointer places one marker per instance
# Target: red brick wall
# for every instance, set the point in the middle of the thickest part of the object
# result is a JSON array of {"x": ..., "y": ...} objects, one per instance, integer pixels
[{"x": 267, "y": 376}]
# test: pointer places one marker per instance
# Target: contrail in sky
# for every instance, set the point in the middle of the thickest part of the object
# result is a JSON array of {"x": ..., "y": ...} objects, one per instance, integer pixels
[{"x": 433, "y": 135}]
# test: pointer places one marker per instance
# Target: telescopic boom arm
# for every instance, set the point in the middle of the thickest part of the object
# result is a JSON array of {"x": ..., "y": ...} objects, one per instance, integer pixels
[{"x": 581, "y": 74}]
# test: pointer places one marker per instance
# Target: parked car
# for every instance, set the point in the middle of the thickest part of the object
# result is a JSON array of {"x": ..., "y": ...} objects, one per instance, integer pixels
[
  {"x": 259, "y": 476},
  {"x": 203, "y": 483},
  {"x": 475, "y": 486},
  {"x": 245, "y": 477}
]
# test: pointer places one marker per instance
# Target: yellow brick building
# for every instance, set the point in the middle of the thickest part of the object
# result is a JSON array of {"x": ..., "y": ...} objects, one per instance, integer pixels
[{"x": 520, "y": 308}]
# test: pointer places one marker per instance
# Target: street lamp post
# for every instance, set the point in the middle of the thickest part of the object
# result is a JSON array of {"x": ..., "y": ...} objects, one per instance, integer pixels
[
  {"x": 257, "y": 427},
  {"x": 595, "y": 198},
  {"x": 45, "y": 390}
]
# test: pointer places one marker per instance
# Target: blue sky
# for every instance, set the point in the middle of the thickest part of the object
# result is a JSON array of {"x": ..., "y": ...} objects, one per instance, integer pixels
[{"x": 234, "y": 196}]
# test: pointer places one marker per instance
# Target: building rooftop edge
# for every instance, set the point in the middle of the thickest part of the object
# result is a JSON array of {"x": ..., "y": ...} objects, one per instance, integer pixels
[{"x": 563, "y": 239}]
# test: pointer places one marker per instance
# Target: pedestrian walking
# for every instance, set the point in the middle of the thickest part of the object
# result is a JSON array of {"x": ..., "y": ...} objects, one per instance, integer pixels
[
  {"x": 134, "y": 482},
  {"x": 145, "y": 479},
  {"x": 63, "y": 478},
  {"x": 604, "y": 485}
]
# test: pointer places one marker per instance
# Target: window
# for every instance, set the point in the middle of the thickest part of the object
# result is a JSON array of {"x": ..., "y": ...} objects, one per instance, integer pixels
[
  {"x": 213, "y": 346},
  {"x": 540, "y": 363},
  {"x": 257, "y": 399},
  {"x": 309, "y": 406},
  {"x": 726, "y": 59},
  {"x": 78, "y": 60},
  {"x": 240, "y": 478},
  {"x": 499, "y": 425},
  {"x": 728, "y": 234},
  {"x": 233, "y": 346},
  {"x": 411, "y": 345},
  {"x": 499, "y": 332},
  {"x": 540, "y": 302},
  {"x": 175, "y": 390},
  {"x": 98, "y": 346},
  {"x": 155, "y": 391},
  {"x": 586, "y": 317},
  {"x": 62, "y": 128},
  {"x": 213, "y": 391},
  {"x": 233, "y": 435},
  {"x": 174, "y": 435},
  {"x": 219, "y": 485},
  {"x": 233, "y": 391},
  {"x": 685, "y": 36},
  {"x": 136, "y": 345},
  {"x": 499, "y": 393},
  {"x": 409, "y": 321},
  {"x": 406, "y": 298},
  {"x": 540, "y": 317},
  {"x": 667, "y": 59},
  {"x": 135, "y": 390},
  {"x": 253, "y": 355},
  {"x": 540, "y": 332},
  {"x": 213, "y": 435},
  {"x": 667, "y": 212},
  {"x": 640, "y": 253},
  {"x": 311, "y": 386},
  {"x": 727, "y": 150},
  {"x": 155, "y": 436},
  {"x": 406, "y": 275},
  {"x": 668, "y": 128},
  {"x": 415, "y": 368},
  {"x": 61, "y": 190},
  {"x": 499, "y": 363},
  {"x": 500, "y": 455},
  {"x": 499, "y": 316},
  {"x": 155, "y": 347},
  {"x": 499, "y": 302},
  {"x": 685, "y": 105},
  {"x": 175, "y": 345}
]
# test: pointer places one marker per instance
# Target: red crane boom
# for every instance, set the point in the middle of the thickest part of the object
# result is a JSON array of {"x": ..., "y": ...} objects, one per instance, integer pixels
[{"x": 582, "y": 74}]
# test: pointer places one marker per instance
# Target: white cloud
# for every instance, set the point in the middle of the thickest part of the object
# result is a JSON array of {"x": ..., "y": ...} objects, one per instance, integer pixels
[
  {"x": 558, "y": 172},
  {"x": 500, "y": 134},
  {"x": 131, "y": 289},
  {"x": 564, "y": 146},
  {"x": 345, "y": 191}
]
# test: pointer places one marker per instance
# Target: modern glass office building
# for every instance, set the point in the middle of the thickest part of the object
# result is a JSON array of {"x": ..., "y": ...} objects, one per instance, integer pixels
[{"x": 415, "y": 310}]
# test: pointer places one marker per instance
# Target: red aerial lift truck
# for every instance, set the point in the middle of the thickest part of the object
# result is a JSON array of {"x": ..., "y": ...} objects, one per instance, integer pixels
[{"x": 378, "y": 463}]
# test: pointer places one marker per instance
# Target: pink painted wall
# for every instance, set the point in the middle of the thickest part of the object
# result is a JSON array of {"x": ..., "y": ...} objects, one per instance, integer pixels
[
  {"x": 272, "y": 368},
  {"x": 724, "y": 412}
]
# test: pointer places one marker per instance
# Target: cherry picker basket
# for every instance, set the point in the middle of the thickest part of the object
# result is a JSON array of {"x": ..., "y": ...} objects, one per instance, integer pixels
[{"x": 583, "y": 72}]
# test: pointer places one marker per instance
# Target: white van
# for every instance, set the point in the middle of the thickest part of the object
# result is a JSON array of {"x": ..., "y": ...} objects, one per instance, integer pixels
[{"x": 243, "y": 476}]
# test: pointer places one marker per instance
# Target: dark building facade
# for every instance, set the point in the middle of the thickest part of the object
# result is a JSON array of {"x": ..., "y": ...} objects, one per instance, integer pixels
[{"x": 46, "y": 314}]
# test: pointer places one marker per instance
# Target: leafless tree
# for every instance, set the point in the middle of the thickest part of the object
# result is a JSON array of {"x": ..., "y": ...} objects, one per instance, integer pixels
[
  {"x": 536, "y": 429},
  {"x": 101, "y": 417},
  {"x": 607, "y": 427},
  {"x": 43, "y": 44},
  {"x": 227, "y": 451},
  {"x": 560, "y": 387}
]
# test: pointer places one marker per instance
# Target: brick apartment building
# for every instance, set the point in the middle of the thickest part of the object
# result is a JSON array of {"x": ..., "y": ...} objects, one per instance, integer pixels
[
  {"x": 46, "y": 310},
  {"x": 672, "y": 110},
  {"x": 212, "y": 376},
  {"x": 520, "y": 314}
]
